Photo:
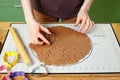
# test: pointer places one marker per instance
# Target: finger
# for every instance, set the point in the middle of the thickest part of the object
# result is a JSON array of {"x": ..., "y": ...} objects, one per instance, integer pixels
[
  {"x": 32, "y": 41},
  {"x": 46, "y": 30},
  {"x": 82, "y": 25},
  {"x": 44, "y": 39},
  {"x": 87, "y": 26},
  {"x": 77, "y": 22},
  {"x": 37, "y": 42},
  {"x": 91, "y": 25}
]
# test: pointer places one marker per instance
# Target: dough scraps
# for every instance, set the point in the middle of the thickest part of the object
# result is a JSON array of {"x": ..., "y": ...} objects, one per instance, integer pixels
[{"x": 68, "y": 47}]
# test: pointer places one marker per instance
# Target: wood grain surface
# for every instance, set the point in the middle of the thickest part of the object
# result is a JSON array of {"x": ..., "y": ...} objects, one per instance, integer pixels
[
  {"x": 116, "y": 27},
  {"x": 3, "y": 31}
]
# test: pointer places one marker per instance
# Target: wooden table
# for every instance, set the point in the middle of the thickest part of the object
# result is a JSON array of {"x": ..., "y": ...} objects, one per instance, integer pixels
[{"x": 116, "y": 26}]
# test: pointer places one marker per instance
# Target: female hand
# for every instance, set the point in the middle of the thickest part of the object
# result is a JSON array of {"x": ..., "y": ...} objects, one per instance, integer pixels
[
  {"x": 86, "y": 22},
  {"x": 36, "y": 37}
]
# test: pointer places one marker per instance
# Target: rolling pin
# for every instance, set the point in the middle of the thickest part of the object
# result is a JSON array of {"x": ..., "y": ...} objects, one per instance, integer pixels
[{"x": 20, "y": 46}]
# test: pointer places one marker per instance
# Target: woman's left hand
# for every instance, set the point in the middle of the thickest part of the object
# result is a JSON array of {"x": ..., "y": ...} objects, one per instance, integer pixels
[{"x": 86, "y": 22}]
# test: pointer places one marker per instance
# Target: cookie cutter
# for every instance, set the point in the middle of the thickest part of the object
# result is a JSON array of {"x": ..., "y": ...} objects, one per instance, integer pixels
[
  {"x": 6, "y": 77},
  {"x": 50, "y": 38},
  {"x": 38, "y": 66},
  {"x": 42, "y": 74},
  {"x": 18, "y": 73},
  {"x": 13, "y": 55},
  {"x": 10, "y": 76}
]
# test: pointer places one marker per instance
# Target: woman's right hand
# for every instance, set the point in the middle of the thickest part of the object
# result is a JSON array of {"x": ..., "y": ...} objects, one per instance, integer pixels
[{"x": 36, "y": 37}]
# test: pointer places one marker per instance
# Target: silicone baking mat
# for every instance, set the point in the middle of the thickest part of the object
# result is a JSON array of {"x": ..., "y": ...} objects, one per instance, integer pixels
[{"x": 103, "y": 58}]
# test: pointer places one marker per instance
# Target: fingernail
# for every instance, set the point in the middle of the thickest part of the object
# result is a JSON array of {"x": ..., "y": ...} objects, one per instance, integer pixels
[{"x": 49, "y": 43}]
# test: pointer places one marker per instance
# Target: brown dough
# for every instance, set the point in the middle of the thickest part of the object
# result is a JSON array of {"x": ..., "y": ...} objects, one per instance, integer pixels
[{"x": 68, "y": 47}]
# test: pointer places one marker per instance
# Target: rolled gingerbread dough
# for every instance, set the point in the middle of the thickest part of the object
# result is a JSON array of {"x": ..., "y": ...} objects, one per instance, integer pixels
[{"x": 67, "y": 47}]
